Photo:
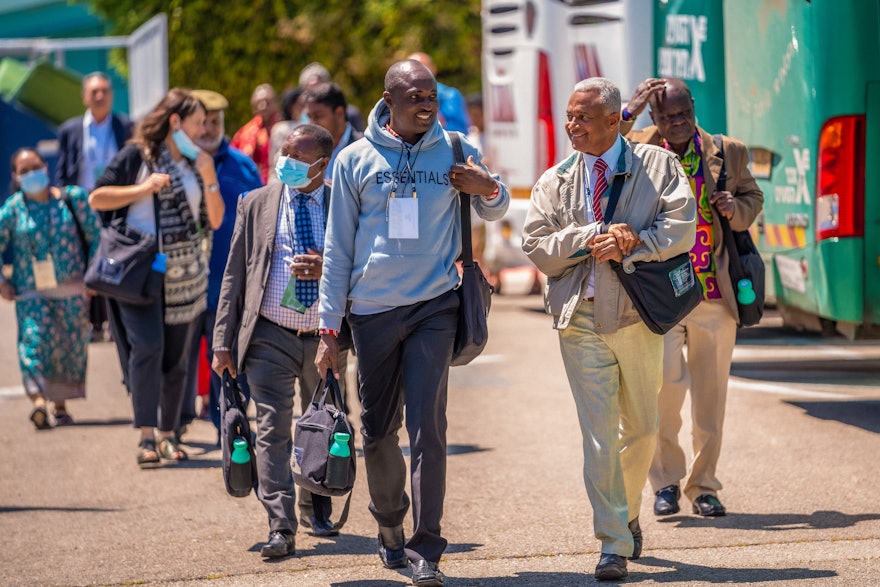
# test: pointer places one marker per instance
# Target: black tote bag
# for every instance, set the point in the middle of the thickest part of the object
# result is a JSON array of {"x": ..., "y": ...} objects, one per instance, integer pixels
[{"x": 745, "y": 260}]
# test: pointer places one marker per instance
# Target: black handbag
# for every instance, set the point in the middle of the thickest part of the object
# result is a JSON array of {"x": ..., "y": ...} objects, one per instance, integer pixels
[
  {"x": 234, "y": 425},
  {"x": 662, "y": 292},
  {"x": 312, "y": 462},
  {"x": 745, "y": 260},
  {"x": 474, "y": 292},
  {"x": 123, "y": 268}
]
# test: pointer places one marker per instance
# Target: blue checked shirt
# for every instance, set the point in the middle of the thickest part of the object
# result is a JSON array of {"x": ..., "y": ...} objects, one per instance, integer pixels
[{"x": 282, "y": 257}]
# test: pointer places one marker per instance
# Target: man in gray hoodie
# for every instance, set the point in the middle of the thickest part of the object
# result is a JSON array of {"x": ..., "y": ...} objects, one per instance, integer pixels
[{"x": 393, "y": 236}]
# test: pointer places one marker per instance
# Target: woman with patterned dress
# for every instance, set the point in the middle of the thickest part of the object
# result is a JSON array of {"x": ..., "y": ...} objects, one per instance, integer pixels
[
  {"x": 51, "y": 233},
  {"x": 162, "y": 170}
]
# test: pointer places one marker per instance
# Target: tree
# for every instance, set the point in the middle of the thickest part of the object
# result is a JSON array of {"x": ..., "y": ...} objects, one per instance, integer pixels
[{"x": 232, "y": 47}]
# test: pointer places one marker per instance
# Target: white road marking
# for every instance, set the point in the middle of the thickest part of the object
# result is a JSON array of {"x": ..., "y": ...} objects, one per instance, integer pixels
[
  {"x": 761, "y": 387},
  {"x": 11, "y": 391}
]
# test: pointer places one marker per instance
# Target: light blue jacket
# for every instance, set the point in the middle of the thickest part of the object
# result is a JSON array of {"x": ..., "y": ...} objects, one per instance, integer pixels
[{"x": 361, "y": 263}]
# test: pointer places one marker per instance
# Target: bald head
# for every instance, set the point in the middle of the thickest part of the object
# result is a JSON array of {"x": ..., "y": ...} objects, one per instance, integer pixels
[
  {"x": 675, "y": 88},
  {"x": 425, "y": 60},
  {"x": 403, "y": 73}
]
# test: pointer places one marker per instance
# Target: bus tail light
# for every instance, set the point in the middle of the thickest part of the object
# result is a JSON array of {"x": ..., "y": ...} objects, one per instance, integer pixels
[
  {"x": 546, "y": 130},
  {"x": 840, "y": 178}
]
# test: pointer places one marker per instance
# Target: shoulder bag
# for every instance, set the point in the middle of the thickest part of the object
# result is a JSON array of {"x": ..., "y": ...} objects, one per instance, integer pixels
[
  {"x": 663, "y": 292},
  {"x": 474, "y": 292},
  {"x": 745, "y": 263},
  {"x": 128, "y": 266}
]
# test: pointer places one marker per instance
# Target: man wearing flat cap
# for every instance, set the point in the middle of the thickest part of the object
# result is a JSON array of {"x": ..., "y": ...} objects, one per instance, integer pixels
[{"x": 236, "y": 175}]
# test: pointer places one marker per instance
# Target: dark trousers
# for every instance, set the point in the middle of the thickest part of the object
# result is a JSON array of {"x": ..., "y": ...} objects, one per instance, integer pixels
[
  {"x": 98, "y": 312},
  {"x": 275, "y": 359},
  {"x": 153, "y": 358},
  {"x": 203, "y": 326},
  {"x": 403, "y": 362}
]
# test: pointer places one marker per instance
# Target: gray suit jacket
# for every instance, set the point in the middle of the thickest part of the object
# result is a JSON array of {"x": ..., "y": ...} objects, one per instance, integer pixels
[{"x": 247, "y": 268}]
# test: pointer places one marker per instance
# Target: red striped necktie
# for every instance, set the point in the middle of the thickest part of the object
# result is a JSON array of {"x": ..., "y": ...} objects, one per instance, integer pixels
[{"x": 600, "y": 187}]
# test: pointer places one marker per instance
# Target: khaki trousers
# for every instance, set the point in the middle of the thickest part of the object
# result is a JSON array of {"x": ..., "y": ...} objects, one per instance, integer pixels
[
  {"x": 614, "y": 379},
  {"x": 710, "y": 334}
]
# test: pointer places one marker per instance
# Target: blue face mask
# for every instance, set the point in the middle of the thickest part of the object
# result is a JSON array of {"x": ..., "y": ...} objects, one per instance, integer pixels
[
  {"x": 294, "y": 173},
  {"x": 35, "y": 181},
  {"x": 184, "y": 144}
]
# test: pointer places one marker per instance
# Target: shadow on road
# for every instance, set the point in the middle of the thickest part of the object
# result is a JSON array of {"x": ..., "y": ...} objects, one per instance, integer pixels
[
  {"x": 49, "y": 508},
  {"x": 519, "y": 580},
  {"x": 679, "y": 572},
  {"x": 111, "y": 422},
  {"x": 864, "y": 414},
  {"x": 862, "y": 372},
  {"x": 818, "y": 520}
]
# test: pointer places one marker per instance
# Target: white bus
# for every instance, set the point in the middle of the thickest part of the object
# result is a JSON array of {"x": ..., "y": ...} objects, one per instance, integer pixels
[{"x": 534, "y": 52}]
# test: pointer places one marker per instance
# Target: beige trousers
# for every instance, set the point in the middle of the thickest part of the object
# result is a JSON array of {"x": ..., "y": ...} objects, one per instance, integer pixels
[
  {"x": 614, "y": 379},
  {"x": 710, "y": 334}
]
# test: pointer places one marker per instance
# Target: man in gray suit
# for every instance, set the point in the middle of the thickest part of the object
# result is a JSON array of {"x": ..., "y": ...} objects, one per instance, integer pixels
[{"x": 267, "y": 317}]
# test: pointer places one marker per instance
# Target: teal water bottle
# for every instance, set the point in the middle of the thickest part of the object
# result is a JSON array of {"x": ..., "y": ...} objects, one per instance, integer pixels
[
  {"x": 240, "y": 470},
  {"x": 338, "y": 462},
  {"x": 745, "y": 295}
]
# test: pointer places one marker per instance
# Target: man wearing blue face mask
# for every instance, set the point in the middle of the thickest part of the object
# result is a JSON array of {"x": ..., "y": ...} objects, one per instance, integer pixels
[{"x": 268, "y": 315}]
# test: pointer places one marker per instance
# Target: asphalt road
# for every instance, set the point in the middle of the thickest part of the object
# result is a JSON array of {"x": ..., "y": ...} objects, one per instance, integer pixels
[{"x": 799, "y": 466}]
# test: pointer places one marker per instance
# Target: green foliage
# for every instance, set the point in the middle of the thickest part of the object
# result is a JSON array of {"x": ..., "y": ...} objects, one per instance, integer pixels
[{"x": 231, "y": 46}]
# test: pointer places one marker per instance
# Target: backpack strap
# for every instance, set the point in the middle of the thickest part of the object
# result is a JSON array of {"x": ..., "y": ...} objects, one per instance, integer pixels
[
  {"x": 467, "y": 251},
  {"x": 721, "y": 184},
  {"x": 79, "y": 231}
]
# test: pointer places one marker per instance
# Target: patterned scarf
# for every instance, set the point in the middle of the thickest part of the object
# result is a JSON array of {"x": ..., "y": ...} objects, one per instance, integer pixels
[
  {"x": 702, "y": 253},
  {"x": 186, "y": 241}
]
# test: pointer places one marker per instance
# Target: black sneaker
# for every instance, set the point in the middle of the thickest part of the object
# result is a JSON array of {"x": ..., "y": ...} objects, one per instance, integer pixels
[
  {"x": 426, "y": 574},
  {"x": 666, "y": 502},
  {"x": 280, "y": 544}
]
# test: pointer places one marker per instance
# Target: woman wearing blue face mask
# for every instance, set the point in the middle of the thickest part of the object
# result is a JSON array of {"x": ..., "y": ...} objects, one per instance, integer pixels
[
  {"x": 52, "y": 233},
  {"x": 163, "y": 170}
]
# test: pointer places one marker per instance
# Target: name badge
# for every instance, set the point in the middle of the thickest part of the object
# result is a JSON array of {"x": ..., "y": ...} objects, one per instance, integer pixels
[
  {"x": 44, "y": 273},
  {"x": 288, "y": 300},
  {"x": 403, "y": 218}
]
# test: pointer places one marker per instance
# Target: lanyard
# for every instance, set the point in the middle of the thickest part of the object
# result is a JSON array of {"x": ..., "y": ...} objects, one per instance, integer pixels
[{"x": 31, "y": 237}]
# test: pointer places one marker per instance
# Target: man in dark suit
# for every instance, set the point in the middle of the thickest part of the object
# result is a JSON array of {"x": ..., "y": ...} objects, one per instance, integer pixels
[
  {"x": 270, "y": 324},
  {"x": 326, "y": 107},
  {"x": 86, "y": 145}
]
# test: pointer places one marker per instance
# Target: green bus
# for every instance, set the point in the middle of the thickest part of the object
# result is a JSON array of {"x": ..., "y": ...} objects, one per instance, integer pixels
[{"x": 801, "y": 87}]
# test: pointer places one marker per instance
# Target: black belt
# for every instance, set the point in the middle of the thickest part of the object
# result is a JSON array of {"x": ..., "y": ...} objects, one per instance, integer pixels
[{"x": 293, "y": 331}]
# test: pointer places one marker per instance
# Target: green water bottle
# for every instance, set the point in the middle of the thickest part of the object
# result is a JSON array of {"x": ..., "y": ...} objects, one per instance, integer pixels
[
  {"x": 338, "y": 462},
  {"x": 745, "y": 295},
  {"x": 240, "y": 470}
]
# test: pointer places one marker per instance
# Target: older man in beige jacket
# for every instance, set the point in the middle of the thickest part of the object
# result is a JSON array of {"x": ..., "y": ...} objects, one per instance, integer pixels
[{"x": 612, "y": 359}]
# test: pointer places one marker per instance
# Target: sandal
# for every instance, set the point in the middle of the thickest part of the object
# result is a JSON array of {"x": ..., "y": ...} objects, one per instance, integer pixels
[
  {"x": 148, "y": 457},
  {"x": 40, "y": 417},
  {"x": 63, "y": 418},
  {"x": 171, "y": 451}
]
